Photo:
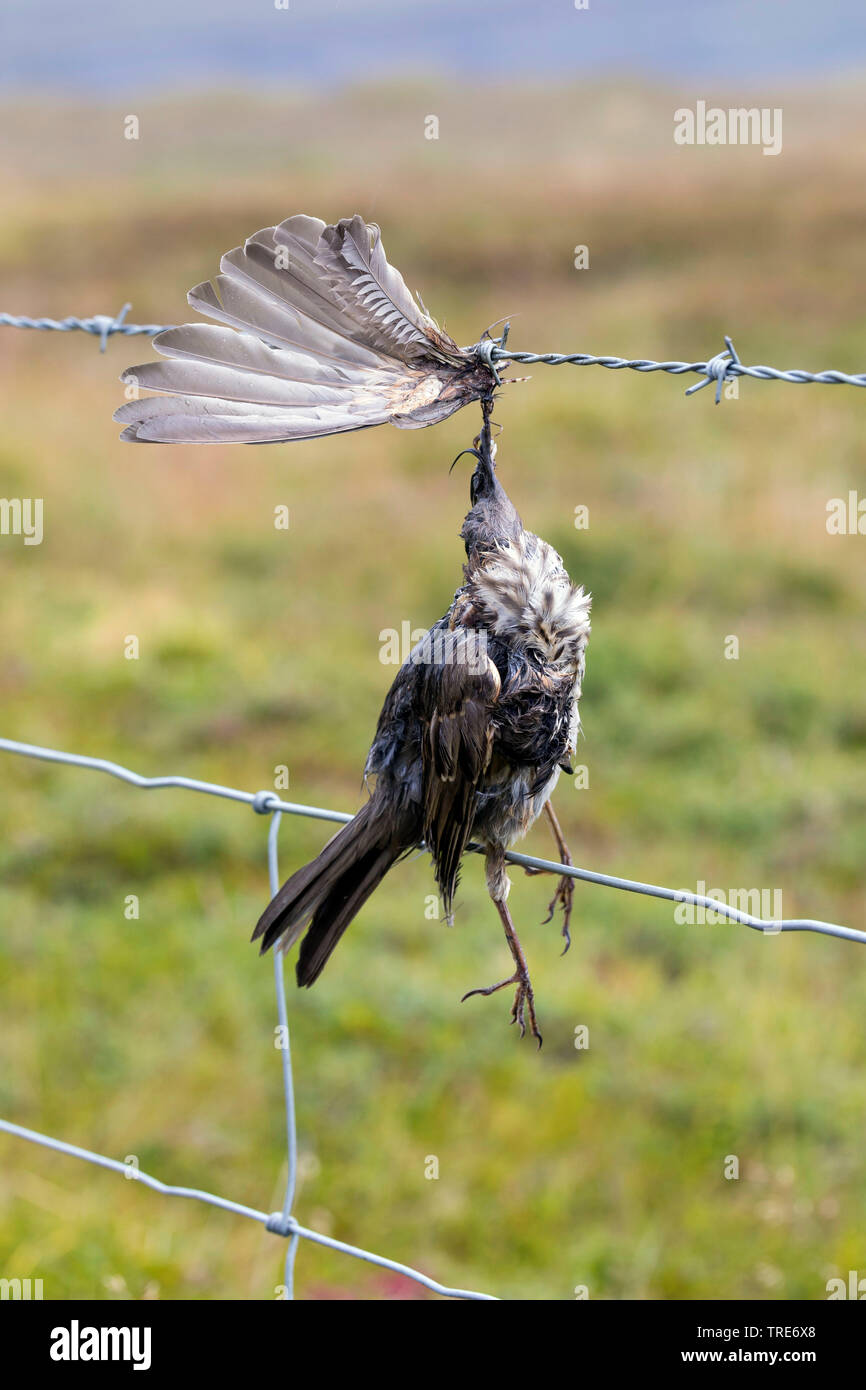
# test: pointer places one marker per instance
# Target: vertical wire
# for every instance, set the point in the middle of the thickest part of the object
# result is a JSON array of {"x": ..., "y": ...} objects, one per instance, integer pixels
[{"x": 286, "y": 1052}]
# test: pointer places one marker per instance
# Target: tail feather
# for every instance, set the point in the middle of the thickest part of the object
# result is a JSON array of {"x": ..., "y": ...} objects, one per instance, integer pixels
[
  {"x": 329, "y": 891},
  {"x": 335, "y": 912}
]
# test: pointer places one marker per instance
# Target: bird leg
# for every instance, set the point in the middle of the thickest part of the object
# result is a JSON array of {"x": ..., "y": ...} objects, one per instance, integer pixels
[
  {"x": 564, "y": 894},
  {"x": 524, "y": 999}
]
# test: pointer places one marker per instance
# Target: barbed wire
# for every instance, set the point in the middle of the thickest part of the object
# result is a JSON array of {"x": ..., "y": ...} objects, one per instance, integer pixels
[
  {"x": 723, "y": 367},
  {"x": 283, "y": 1223},
  {"x": 103, "y": 326}
]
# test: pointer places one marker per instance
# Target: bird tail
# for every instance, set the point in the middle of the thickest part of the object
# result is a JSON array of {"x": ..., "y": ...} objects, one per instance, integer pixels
[{"x": 329, "y": 891}]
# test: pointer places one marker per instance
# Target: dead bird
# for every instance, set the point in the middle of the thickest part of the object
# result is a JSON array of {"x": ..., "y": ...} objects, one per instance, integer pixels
[
  {"x": 481, "y": 719},
  {"x": 317, "y": 334}
]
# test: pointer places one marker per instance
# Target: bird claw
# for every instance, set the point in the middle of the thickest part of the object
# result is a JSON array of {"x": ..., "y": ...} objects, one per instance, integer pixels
[
  {"x": 524, "y": 1000},
  {"x": 564, "y": 895},
  {"x": 488, "y": 989}
]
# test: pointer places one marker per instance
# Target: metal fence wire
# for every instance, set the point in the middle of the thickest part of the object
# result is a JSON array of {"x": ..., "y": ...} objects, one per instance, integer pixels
[
  {"x": 283, "y": 1223},
  {"x": 724, "y": 367},
  {"x": 280, "y": 1223}
]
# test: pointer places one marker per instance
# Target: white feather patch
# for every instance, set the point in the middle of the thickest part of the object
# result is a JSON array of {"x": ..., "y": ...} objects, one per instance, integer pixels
[{"x": 527, "y": 596}]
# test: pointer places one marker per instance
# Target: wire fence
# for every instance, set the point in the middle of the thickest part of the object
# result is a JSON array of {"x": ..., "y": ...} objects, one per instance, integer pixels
[
  {"x": 283, "y": 1223},
  {"x": 723, "y": 367}
]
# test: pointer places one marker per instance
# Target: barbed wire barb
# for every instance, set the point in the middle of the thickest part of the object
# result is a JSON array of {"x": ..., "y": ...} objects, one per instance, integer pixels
[{"x": 102, "y": 326}]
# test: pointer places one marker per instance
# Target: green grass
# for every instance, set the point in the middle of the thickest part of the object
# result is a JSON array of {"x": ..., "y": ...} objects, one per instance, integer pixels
[{"x": 154, "y": 1037}]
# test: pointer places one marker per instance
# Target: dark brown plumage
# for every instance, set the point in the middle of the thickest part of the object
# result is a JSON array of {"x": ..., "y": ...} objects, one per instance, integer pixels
[{"x": 478, "y": 724}]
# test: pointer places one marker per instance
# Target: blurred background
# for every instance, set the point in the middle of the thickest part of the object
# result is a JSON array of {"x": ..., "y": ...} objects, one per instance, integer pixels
[{"x": 601, "y": 1167}]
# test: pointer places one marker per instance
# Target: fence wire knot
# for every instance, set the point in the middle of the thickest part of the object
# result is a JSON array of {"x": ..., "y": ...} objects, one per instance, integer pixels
[
  {"x": 718, "y": 369},
  {"x": 263, "y": 803},
  {"x": 281, "y": 1225},
  {"x": 491, "y": 349}
]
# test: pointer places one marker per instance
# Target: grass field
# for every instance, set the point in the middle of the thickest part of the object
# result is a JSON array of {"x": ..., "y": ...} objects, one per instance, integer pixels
[{"x": 601, "y": 1167}]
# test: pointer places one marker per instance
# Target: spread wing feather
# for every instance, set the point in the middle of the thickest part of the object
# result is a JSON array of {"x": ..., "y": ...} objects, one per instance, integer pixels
[
  {"x": 321, "y": 336},
  {"x": 363, "y": 281},
  {"x": 214, "y": 420}
]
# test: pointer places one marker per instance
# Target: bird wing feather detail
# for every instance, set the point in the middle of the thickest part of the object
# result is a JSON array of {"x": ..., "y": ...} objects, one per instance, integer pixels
[
  {"x": 315, "y": 334},
  {"x": 364, "y": 282},
  {"x": 459, "y": 687}
]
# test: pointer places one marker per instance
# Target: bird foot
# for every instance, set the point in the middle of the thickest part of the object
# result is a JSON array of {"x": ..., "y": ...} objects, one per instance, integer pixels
[{"x": 524, "y": 1001}]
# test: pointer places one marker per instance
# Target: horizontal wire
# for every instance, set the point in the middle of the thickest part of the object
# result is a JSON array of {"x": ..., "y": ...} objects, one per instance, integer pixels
[
  {"x": 102, "y": 326},
  {"x": 724, "y": 366},
  {"x": 192, "y": 784},
  {"x": 266, "y": 802},
  {"x": 705, "y": 369},
  {"x": 267, "y": 1219}
]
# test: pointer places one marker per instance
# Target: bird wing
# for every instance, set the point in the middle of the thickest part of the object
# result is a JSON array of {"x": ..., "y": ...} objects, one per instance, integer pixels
[
  {"x": 320, "y": 335},
  {"x": 458, "y": 689}
]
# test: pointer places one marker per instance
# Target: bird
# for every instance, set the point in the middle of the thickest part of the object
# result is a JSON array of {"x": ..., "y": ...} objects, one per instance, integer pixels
[
  {"x": 480, "y": 721},
  {"x": 316, "y": 334}
]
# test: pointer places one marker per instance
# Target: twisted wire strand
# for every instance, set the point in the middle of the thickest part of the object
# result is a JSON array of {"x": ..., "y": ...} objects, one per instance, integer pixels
[
  {"x": 642, "y": 364},
  {"x": 265, "y": 802},
  {"x": 724, "y": 366},
  {"x": 102, "y": 326},
  {"x": 276, "y": 1222}
]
